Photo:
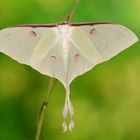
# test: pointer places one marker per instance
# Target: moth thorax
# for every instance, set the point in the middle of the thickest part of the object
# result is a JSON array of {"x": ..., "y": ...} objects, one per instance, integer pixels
[{"x": 64, "y": 30}]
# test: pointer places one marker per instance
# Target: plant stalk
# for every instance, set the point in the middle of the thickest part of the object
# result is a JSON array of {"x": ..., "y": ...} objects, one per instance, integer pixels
[
  {"x": 70, "y": 15},
  {"x": 43, "y": 108}
]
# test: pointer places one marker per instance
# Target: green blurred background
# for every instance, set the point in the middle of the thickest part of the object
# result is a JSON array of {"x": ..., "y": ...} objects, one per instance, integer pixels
[{"x": 106, "y": 100}]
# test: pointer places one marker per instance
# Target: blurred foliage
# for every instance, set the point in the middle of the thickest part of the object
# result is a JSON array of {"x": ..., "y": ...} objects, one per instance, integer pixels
[{"x": 106, "y": 100}]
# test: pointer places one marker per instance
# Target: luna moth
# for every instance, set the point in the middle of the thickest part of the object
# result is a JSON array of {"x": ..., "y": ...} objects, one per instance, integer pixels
[{"x": 65, "y": 50}]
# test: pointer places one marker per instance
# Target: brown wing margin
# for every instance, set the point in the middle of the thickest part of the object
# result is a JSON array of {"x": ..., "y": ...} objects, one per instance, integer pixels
[
  {"x": 36, "y": 25},
  {"x": 65, "y": 23},
  {"x": 89, "y": 23}
]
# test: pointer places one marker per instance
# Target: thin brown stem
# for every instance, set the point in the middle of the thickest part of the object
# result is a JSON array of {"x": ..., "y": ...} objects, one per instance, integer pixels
[
  {"x": 44, "y": 107},
  {"x": 70, "y": 15}
]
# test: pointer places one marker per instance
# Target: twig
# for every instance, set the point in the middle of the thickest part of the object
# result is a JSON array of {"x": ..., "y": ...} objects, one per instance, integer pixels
[
  {"x": 69, "y": 17},
  {"x": 44, "y": 107}
]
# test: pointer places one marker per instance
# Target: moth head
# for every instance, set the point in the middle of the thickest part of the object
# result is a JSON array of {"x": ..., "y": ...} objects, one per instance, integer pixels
[{"x": 63, "y": 23}]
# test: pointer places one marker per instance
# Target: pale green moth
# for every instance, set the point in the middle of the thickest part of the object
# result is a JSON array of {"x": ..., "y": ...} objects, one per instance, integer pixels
[{"x": 65, "y": 50}]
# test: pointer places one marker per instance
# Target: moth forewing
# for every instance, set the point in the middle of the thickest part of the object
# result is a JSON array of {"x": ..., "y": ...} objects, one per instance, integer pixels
[
  {"x": 109, "y": 39},
  {"x": 19, "y": 42}
]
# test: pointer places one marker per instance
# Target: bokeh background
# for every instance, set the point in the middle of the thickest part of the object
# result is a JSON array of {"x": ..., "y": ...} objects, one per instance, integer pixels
[{"x": 106, "y": 100}]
